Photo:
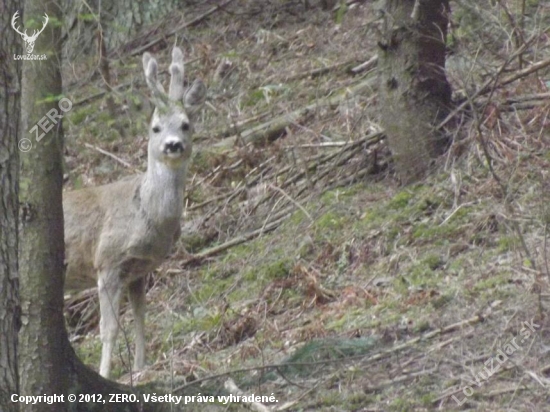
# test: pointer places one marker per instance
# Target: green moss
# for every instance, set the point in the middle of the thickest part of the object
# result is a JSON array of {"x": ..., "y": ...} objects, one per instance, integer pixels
[
  {"x": 442, "y": 301},
  {"x": 209, "y": 290},
  {"x": 491, "y": 282},
  {"x": 418, "y": 275},
  {"x": 458, "y": 265},
  {"x": 194, "y": 242},
  {"x": 427, "y": 400},
  {"x": 331, "y": 197},
  {"x": 349, "y": 320},
  {"x": 401, "y": 405},
  {"x": 78, "y": 116},
  {"x": 278, "y": 270},
  {"x": 422, "y": 326},
  {"x": 255, "y": 97},
  {"x": 436, "y": 234},
  {"x": 507, "y": 243},
  {"x": 432, "y": 261},
  {"x": 400, "y": 200},
  {"x": 357, "y": 400},
  {"x": 89, "y": 351},
  {"x": 330, "y": 221}
]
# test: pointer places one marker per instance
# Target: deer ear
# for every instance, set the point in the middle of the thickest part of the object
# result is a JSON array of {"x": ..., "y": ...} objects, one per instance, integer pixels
[
  {"x": 195, "y": 97},
  {"x": 150, "y": 68}
]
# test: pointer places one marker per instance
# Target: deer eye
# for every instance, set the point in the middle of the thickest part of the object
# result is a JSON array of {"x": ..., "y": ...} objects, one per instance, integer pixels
[
  {"x": 185, "y": 127},
  {"x": 156, "y": 129}
]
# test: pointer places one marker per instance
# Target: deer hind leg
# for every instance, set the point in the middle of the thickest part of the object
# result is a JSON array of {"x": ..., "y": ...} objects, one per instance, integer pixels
[
  {"x": 110, "y": 293},
  {"x": 136, "y": 294}
]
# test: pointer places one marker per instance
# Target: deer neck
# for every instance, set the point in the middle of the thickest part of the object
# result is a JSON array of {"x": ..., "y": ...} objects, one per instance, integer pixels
[{"x": 162, "y": 191}]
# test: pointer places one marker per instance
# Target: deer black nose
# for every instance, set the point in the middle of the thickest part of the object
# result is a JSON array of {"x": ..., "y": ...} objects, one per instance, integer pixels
[{"x": 174, "y": 147}]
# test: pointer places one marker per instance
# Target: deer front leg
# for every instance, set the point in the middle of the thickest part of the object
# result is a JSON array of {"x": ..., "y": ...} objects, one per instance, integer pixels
[
  {"x": 137, "y": 300},
  {"x": 109, "y": 290}
]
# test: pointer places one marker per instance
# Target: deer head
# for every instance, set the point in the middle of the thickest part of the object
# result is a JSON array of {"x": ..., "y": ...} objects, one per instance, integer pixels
[
  {"x": 29, "y": 40},
  {"x": 171, "y": 125}
]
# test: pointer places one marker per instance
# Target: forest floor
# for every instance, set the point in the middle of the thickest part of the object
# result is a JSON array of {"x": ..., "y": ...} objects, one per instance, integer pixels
[{"x": 305, "y": 270}]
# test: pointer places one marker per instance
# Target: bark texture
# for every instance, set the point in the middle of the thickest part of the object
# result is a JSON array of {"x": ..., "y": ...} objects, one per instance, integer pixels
[
  {"x": 117, "y": 20},
  {"x": 10, "y": 72},
  {"x": 43, "y": 335},
  {"x": 414, "y": 90}
]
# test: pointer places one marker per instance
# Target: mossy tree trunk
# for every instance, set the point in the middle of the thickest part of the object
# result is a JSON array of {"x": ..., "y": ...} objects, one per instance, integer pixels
[
  {"x": 10, "y": 77},
  {"x": 43, "y": 351},
  {"x": 414, "y": 91},
  {"x": 47, "y": 362}
]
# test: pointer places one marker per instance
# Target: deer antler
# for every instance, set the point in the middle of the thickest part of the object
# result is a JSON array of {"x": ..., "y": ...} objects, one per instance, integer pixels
[{"x": 13, "y": 20}]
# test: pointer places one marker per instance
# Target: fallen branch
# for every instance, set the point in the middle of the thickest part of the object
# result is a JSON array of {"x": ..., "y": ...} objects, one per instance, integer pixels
[
  {"x": 524, "y": 73},
  {"x": 369, "y": 64},
  {"x": 111, "y": 155}
]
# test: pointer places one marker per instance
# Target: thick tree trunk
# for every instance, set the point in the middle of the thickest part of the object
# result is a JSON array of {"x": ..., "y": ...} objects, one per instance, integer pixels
[
  {"x": 43, "y": 337},
  {"x": 414, "y": 91},
  {"x": 10, "y": 72},
  {"x": 118, "y": 20}
]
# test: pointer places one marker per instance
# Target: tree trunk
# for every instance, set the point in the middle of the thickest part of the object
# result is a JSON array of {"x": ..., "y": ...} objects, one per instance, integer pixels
[
  {"x": 10, "y": 71},
  {"x": 43, "y": 334},
  {"x": 118, "y": 20},
  {"x": 414, "y": 92}
]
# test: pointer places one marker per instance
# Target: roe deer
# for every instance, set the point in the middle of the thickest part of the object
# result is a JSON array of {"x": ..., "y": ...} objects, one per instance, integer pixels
[{"x": 123, "y": 230}]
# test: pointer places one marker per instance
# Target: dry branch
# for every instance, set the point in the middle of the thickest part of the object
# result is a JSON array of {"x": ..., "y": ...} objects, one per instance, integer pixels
[
  {"x": 111, "y": 155},
  {"x": 369, "y": 64}
]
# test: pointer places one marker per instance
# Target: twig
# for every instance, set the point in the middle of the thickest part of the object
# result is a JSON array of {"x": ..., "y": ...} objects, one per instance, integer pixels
[
  {"x": 525, "y": 72},
  {"x": 317, "y": 145},
  {"x": 486, "y": 88},
  {"x": 456, "y": 210},
  {"x": 399, "y": 379},
  {"x": 112, "y": 156},
  {"x": 297, "y": 204},
  {"x": 232, "y": 387},
  {"x": 369, "y": 64}
]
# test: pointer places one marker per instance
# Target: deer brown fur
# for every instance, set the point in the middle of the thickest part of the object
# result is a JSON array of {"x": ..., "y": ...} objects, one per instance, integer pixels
[{"x": 117, "y": 233}]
